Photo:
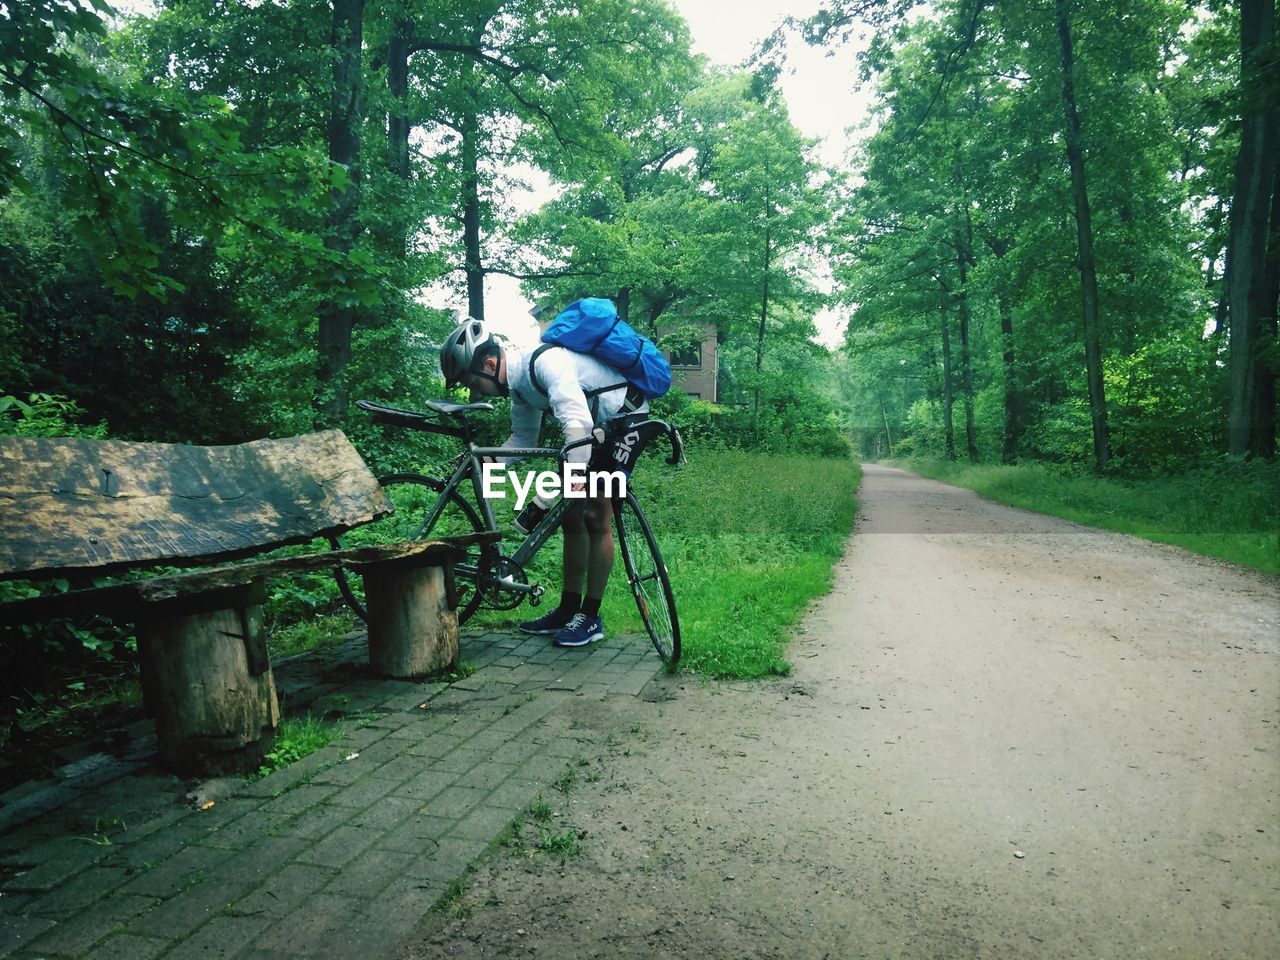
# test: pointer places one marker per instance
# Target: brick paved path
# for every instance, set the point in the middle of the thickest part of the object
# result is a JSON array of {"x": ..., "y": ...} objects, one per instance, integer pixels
[{"x": 339, "y": 855}]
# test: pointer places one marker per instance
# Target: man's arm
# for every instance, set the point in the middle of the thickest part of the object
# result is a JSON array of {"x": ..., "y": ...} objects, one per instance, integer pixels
[
  {"x": 558, "y": 372},
  {"x": 526, "y": 423}
]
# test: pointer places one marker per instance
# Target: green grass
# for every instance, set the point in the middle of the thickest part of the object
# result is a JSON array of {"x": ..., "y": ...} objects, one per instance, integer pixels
[
  {"x": 749, "y": 539},
  {"x": 296, "y": 738},
  {"x": 1230, "y": 511},
  {"x": 313, "y": 633}
]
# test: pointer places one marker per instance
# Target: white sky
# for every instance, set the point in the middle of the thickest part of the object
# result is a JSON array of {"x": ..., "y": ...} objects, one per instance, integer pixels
[{"x": 819, "y": 94}]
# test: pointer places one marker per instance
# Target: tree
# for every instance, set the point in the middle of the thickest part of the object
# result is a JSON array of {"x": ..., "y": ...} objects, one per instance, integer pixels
[
  {"x": 337, "y": 314},
  {"x": 1085, "y": 262},
  {"x": 1255, "y": 223},
  {"x": 771, "y": 211}
]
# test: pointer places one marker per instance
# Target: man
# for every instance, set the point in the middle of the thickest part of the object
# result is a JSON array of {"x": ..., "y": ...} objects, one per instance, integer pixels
[{"x": 581, "y": 392}]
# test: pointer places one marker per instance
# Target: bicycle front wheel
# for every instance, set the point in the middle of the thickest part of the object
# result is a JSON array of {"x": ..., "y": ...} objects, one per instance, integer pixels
[
  {"x": 647, "y": 575},
  {"x": 413, "y": 496}
]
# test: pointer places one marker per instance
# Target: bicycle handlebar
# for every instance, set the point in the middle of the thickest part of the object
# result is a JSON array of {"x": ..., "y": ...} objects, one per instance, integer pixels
[
  {"x": 598, "y": 436},
  {"x": 414, "y": 420}
]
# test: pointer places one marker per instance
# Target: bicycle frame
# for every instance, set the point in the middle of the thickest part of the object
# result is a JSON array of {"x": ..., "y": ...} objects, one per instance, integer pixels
[{"x": 471, "y": 467}]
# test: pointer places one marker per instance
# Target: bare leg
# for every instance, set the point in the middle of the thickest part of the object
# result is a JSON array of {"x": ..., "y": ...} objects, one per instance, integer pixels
[
  {"x": 577, "y": 548},
  {"x": 598, "y": 518}
]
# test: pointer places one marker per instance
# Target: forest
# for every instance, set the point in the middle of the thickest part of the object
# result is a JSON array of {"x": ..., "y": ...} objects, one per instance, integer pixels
[{"x": 1054, "y": 241}]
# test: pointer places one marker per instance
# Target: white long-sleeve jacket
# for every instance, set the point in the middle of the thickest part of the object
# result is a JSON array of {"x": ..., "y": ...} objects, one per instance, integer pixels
[{"x": 568, "y": 377}]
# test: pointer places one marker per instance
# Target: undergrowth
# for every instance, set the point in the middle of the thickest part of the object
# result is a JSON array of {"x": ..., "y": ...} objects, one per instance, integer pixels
[
  {"x": 296, "y": 738},
  {"x": 1228, "y": 510},
  {"x": 748, "y": 539}
]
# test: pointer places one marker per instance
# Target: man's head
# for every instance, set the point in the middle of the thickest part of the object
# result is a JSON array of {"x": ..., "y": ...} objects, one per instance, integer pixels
[{"x": 471, "y": 356}]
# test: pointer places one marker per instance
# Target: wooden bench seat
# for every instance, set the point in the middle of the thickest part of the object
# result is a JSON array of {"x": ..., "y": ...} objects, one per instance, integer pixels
[{"x": 83, "y": 509}]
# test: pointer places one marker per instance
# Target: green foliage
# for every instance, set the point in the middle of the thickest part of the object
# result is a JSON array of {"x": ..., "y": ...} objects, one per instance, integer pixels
[
  {"x": 296, "y": 738},
  {"x": 965, "y": 214},
  {"x": 307, "y": 633},
  {"x": 46, "y": 415},
  {"x": 795, "y": 416},
  {"x": 1222, "y": 508},
  {"x": 563, "y": 845},
  {"x": 749, "y": 539}
]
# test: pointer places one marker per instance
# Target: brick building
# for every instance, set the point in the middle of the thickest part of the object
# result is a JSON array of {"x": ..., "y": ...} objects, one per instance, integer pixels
[{"x": 695, "y": 366}]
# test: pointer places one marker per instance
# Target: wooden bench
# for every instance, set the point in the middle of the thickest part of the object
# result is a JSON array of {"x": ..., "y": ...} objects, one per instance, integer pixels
[{"x": 85, "y": 509}]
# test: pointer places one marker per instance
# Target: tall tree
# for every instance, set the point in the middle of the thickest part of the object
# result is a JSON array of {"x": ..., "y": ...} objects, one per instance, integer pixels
[
  {"x": 1252, "y": 286},
  {"x": 774, "y": 209},
  {"x": 337, "y": 314},
  {"x": 1085, "y": 261}
]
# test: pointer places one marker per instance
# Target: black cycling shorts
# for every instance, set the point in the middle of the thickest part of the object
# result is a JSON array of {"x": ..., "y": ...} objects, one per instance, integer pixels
[{"x": 622, "y": 445}]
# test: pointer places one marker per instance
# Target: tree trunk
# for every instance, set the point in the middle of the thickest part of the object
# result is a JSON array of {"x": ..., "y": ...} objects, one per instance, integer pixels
[
  {"x": 1009, "y": 452},
  {"x": 1265, "y": 442},
  {"x": 1084, "y": 239},
  {"x": 394, "y": 235},
  {"x": 412, "y": 631},
  {"x": 1250, "y": 428},
  {"x": 473, "y": 260},
  {"x": 764, "y": 315},
  {"x": 398, "y": 89},
  {"x": 965, "y": 244},
  {"x": 337, "y": 319},
  {"x": 1223, "y": 311},
  {"x": 948, "y": 397},
  {"x": 208, "y": 684},
  {"x": 624, "y": 304},
  {"x": 764, "y": 286}
]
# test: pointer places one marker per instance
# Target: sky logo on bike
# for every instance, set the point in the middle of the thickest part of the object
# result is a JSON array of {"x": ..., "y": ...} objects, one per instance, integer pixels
[{"x": 575, "y": 482}]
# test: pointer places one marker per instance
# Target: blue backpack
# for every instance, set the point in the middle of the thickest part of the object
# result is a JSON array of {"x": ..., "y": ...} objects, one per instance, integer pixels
[{"x": 592, "y": 326}]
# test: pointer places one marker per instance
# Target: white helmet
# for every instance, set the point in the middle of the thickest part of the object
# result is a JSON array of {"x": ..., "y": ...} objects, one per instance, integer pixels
[{"x": 465, "y": 349}]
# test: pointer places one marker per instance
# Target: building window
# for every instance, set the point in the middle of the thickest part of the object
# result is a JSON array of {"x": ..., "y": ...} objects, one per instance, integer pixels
[
  {"x": 690, "y": 356},
  {"x": 694, "y": 396}
]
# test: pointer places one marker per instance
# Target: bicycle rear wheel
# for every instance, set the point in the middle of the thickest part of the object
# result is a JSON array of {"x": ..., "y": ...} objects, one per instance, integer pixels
[
  {"x": 647, "y": 575},
  {"x": 413, "y": 495}
]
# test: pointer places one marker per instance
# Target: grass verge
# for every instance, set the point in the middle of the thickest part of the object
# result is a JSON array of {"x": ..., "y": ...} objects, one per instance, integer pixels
[
  {"x": 1230, "y": 511},
  {"x": 748, "y": 539}
]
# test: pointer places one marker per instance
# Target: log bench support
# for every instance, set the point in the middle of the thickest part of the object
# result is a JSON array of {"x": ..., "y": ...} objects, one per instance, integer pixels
[
  {"x": 413, "y": 629},
  {"x": 207, "y": 681}
]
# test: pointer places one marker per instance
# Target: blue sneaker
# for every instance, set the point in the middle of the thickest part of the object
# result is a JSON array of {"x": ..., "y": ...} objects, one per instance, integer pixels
[
  {"x": 580, "y": 631},
  {"x": 548, "y": 623}
]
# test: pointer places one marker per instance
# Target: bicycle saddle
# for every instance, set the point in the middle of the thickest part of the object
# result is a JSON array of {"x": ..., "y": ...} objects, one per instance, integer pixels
[
  {"x": 412, "y": 416},
  {"x": 444, "y": 406}
]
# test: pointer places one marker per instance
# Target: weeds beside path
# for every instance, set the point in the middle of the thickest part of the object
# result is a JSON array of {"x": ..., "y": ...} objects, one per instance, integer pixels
[
  {"x": 749, "y": 539},
  {"x": 1230, "y": 511}
]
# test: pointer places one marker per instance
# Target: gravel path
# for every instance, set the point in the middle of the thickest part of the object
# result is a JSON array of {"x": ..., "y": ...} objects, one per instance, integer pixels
[{"x": 1005, "y": 736}]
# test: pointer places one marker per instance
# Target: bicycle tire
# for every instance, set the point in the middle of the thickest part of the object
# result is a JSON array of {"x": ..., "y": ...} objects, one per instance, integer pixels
[
  {"x": 647, "y": 575},
  {"x": 413, "y": 496}
]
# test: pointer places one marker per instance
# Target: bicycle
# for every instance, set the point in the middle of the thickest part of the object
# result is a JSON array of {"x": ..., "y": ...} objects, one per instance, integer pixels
[{"x": 490, "y": 577}]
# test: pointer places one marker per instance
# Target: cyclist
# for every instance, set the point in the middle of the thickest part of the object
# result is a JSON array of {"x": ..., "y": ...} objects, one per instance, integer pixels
[{"x": 580, "y": 392}]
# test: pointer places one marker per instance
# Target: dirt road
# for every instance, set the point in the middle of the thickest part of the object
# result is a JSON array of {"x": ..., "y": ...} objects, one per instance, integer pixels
[{"x": 1005, "y": 736}]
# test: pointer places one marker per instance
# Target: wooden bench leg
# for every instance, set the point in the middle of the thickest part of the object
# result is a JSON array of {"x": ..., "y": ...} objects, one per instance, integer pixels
[
  {"x": 412, "y": 631},
  {"x": 208, "y": 684}
]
